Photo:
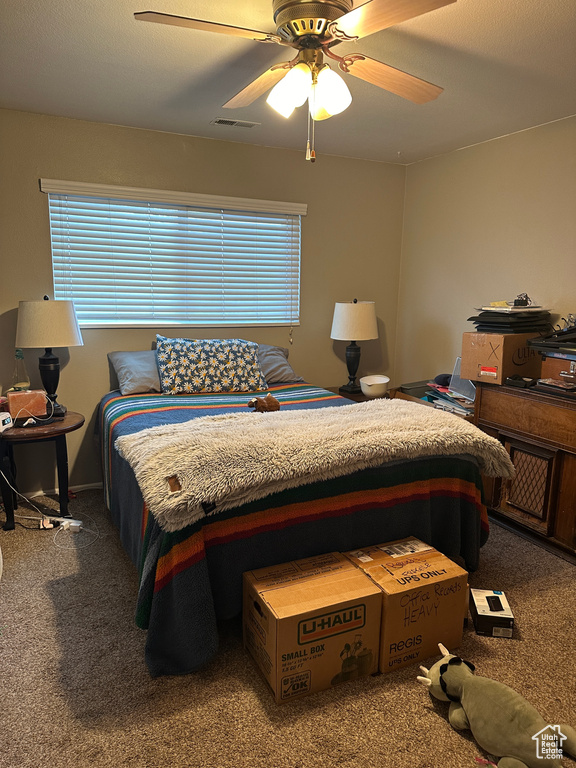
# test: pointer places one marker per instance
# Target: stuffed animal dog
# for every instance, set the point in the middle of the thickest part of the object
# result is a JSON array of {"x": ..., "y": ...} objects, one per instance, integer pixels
[{"x": 263, "y": 404}]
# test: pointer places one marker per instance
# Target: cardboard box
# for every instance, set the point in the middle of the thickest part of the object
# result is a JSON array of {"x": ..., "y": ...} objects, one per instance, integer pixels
[
  {"x": 425, "y": 600},
  {"x": 311, "y": 624},
  {"x": 26, "y": 402},
  {"x": 492, "y": 619},
  {"x": 492, "y": 357}
]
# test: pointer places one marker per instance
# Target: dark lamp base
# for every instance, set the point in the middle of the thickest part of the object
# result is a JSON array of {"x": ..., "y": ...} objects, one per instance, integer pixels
[
  {"x": 59, "y": 411},
  {"x": 49, "y": 366},
  {"x": 352, "y": 389}
]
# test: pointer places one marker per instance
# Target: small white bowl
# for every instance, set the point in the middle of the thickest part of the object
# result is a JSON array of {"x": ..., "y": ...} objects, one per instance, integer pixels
[{"x": 374, "y": 386}]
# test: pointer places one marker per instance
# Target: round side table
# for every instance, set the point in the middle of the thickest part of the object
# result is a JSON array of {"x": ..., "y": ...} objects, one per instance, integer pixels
[{"x": 55, "y": 431}]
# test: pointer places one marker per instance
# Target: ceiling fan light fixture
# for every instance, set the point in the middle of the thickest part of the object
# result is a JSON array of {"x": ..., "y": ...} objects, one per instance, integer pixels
[
  {"x": 317, "y": 111},
  {"x": 329, "y": 95},
  {"x": 292, "y": 91}
]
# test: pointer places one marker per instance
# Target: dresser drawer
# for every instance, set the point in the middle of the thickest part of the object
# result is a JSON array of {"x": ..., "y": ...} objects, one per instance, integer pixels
[{"x": 550, "y": 419}]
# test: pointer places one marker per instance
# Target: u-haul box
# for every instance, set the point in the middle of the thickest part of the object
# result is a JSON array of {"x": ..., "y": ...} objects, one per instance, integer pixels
[
  {"x": 311, "y": 624},
  {"x": 425, "y": 600}
]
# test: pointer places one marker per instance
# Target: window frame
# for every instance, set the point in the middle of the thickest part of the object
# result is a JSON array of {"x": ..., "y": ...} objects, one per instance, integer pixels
[{"x": 225, "y": 204}]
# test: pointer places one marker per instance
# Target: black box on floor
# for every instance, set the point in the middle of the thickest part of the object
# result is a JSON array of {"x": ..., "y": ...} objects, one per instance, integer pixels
[{"x": 491, "y": 613}]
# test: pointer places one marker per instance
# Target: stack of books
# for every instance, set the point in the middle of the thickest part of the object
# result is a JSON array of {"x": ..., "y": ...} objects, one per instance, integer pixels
[{"x": 446, "y": 400}]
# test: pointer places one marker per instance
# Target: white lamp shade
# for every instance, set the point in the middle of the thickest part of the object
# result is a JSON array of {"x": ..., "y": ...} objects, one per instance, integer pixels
[
  {"x": 329, "y": 96},
  {"x": 47, "y": 324},
  {"x": 292, "y": 91},
  {"x": 354, "y": 321}
]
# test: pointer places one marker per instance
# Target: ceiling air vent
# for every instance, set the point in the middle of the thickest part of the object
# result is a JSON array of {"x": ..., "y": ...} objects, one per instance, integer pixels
[{"x": 233, "y": 123}]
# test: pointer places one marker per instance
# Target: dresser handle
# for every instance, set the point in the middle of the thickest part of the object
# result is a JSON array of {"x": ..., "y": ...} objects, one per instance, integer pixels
[{"x": 571, "y": 374}]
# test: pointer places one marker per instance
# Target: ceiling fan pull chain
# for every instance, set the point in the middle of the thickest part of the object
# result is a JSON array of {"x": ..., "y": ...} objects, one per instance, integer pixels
[
  {"x": 310, "y": 153},
  {"x": 313, "y": 152}
]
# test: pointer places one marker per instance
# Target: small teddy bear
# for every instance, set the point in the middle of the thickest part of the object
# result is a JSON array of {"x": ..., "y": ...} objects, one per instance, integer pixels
[{"x": 263, "y": 404}]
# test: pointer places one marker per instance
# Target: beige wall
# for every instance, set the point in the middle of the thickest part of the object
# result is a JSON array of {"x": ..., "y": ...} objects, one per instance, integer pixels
[
  {"x": 351, "y": 244},
  {"x": 484, "y": 224},
  {"x": 477, "y": 225}
]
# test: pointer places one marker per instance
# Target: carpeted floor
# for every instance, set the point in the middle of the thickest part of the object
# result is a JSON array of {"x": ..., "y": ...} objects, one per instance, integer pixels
[{"x": 75, "y": 692}]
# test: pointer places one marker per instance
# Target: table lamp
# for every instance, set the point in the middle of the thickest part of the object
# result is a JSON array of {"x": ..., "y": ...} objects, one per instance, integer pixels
[
  {"x": 48, "y": 324},
  {"x": 354, "y": 321}
]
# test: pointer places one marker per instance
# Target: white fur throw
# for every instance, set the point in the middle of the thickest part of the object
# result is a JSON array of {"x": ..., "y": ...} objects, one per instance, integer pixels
[{"x": 231, "y": 459}]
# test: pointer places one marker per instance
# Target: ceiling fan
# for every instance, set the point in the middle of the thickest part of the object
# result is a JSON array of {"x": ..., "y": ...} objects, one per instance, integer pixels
[{"x": 314, "y": 29}]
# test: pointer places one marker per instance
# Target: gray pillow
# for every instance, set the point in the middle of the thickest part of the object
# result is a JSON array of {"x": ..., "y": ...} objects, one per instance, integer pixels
[
  {"x": 275, "y": 366},
  {"x": 136, "y": 372}
]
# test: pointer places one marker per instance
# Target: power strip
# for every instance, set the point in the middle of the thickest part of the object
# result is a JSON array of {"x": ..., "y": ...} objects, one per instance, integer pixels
[
  {"x": 65, "y": 523},
  {"x": 71, "y": 525}
]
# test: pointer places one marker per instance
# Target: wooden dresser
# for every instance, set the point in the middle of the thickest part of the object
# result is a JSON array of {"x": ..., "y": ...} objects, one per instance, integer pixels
[{"x": 539, "y": 432}]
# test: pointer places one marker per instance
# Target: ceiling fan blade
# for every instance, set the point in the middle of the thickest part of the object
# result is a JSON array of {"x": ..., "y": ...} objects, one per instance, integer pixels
[
  {"x": 259, "y": 86},
  {"x": 389, "y": 78},
  {"x": 380, "y": 14},
  {"x": 207, "y": 26}
]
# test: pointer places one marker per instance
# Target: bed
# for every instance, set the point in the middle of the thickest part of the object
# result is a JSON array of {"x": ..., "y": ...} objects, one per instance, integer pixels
[{"x": 191, "y": 576}]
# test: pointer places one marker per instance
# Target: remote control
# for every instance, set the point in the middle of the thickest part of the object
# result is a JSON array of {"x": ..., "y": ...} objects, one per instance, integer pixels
[{"x": 494, "y": 603}]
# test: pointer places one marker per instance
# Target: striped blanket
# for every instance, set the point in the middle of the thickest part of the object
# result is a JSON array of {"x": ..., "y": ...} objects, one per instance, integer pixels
[{"x": 191, "y": 578}]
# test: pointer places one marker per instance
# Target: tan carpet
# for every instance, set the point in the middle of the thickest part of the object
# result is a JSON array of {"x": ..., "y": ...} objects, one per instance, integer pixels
[{"x": 75, "y": 692}]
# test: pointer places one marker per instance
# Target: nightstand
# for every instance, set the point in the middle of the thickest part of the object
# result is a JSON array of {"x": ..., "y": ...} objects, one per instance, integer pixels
[
  {"x": 357, "y": 398},
  {"x": 55, "y": 431}
]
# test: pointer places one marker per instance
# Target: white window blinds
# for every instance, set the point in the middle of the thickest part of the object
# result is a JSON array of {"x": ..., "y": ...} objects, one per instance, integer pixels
[{"x": 133, "y": 257}]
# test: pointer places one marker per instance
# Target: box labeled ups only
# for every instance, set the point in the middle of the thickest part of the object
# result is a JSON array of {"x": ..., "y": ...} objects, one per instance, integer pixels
[
  {"x": 311, "y": 624},
  {"x": 424, "y": 600},
  {"x": 493, "y": 357}
]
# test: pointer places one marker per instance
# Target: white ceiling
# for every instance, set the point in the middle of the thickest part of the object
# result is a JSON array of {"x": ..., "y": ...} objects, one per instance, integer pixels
[{"x": 505, "y": 65}]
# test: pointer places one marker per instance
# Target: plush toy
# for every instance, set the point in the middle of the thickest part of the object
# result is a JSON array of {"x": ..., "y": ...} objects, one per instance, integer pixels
[
  {"x": 262, "y": 404},
  {"x": 503, "y": 723}
]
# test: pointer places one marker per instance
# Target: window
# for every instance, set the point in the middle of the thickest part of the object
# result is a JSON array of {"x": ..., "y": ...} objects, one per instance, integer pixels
[{"x": 136, "y": 257}]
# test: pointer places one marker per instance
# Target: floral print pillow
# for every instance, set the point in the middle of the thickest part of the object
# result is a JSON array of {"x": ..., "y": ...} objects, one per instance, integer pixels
[{"x": 208, "y": 365}]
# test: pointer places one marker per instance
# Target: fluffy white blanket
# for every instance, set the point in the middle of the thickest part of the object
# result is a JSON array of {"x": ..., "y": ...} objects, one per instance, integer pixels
[{"x": 230, "y": 459}]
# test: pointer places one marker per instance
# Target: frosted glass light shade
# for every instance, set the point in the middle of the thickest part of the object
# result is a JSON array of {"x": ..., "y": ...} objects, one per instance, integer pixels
[
  {"x": 354, "y": 321},
  {"x": 329, "y": 96},
  {"x": 317, "y": 111},
  {"x": 292, "y": 91}
]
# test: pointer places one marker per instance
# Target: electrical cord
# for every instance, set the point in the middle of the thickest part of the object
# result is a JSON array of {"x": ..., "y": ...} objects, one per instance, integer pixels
[
  {"x": 75, "y": 538},
  {"x": 96, "y": 534},
  {"x": 17, "y": 492}
]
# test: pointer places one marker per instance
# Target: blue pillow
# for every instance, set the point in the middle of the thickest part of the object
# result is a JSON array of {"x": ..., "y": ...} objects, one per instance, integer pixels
[{"x": 208, "y": 365}]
